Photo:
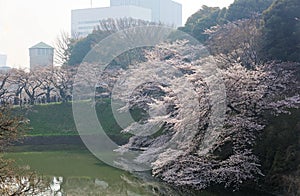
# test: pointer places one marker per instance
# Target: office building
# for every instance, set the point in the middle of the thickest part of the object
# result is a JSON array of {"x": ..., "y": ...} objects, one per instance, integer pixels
[
  {"x": 165, "y": 11},
  {"x": 84, "y": 21},
  {"x": 168, "y": 12}
]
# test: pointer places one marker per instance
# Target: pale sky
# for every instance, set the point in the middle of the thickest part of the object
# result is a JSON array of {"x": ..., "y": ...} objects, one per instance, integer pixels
[{"x": 24, "y": 23}]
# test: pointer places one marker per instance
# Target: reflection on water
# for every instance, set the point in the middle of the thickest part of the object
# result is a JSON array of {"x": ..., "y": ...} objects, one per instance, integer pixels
[
  {"x": 128, "y": 185},
  {"x": 125, "y": 186},
  {"x": 76, "y": 172}
]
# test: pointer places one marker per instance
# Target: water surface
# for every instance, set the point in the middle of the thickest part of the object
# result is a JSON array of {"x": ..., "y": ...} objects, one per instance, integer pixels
[{"x": 81, "y": 174}]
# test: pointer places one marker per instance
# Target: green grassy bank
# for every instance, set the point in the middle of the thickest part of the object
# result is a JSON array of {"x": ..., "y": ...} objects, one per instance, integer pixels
[{"x": 57, "y": 120}]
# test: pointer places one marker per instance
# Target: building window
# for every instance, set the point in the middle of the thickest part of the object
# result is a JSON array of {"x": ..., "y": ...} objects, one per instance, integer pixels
[{"x": 42, "y": 51}]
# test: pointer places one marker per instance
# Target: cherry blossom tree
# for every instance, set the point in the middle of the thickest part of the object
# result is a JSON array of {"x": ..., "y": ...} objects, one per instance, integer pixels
[
  {"x": 4, "y": 84},
  {"x": 32, "y": 86},
  {"x": 14, "y": 180},
  {"x": 210, "y": 114},
  {"x": 63, "y": 48},
  {"x": 237, "y": 41},
  {"x": 17, "y": 83},
  {"x": 45, "y": 77},
  {"x": 62, "y": 80}
]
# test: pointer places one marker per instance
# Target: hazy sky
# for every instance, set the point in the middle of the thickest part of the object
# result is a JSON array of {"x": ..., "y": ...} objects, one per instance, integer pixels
[{"x": 24, "y": 23}]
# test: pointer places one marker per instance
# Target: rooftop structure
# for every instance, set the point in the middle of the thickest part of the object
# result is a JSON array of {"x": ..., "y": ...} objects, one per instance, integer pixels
[{"x": 41, "y": 55}]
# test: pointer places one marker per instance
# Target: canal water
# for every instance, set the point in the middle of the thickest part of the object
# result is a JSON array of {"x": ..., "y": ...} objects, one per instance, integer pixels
[{"x": 73, "y": 170}]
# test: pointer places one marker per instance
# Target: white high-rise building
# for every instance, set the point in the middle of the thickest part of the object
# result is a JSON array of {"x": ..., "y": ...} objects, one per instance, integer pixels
[
  {"x": 3, "y": 59},
  {"x": 165, "y": 11},
  {"x": 84, "y": 21}
]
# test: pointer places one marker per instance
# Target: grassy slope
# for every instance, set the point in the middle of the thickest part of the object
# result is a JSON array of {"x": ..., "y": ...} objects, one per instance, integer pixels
[
  {"x": 53, "y": 119},
  {"x": 57, "y": 120}
]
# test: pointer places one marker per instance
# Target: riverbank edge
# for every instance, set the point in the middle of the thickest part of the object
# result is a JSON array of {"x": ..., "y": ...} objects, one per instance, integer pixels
[{"x": 61, "y": 140}]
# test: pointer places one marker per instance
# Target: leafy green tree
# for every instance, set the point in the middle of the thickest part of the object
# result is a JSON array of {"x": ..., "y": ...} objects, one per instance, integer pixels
[
  {"x": 80, "y": 48},
  {"x": 105, "y": 28},
  {"x": 240, "y": 9},
  {"x": 205, "y": 18},
  {"x": 279, "y": 151},
  {"x": 281, "y": 31}
]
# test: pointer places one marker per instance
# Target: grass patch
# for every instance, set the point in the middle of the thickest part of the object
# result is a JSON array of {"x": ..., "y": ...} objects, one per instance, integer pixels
[
  {"x": 57, "y": 120},
  {"x": 50, "y": 119}
]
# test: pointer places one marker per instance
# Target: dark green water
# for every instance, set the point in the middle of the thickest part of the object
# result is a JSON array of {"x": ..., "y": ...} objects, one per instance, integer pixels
[{"x": 83, "y": 174}]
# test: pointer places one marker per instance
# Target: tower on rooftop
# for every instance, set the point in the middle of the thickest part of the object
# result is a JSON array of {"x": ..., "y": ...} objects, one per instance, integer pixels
[{"x": 41, "y": 55}]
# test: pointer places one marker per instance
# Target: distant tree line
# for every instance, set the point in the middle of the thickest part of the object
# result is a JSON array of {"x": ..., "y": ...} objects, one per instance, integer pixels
[
  {"x": 52, "y": 84},
  {"x": 18, "y": 87}
]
